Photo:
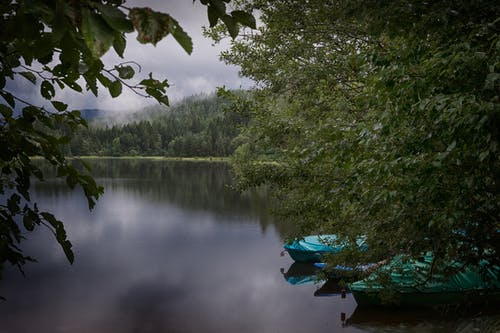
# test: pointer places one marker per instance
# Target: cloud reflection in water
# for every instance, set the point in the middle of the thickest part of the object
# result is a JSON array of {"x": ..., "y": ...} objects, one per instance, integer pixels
[{"x": 180, "y": 254}]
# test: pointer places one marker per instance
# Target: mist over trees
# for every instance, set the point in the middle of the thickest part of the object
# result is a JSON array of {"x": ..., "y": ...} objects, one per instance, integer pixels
[{"x": 196, "y": 126}]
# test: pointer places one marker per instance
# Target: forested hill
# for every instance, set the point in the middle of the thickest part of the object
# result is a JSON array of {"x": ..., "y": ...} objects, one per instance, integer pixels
[{"x": 196, "y": 126}]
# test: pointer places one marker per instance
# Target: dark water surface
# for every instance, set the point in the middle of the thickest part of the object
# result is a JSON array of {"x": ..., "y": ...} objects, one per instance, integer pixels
[{"x": 171, "y": 248}]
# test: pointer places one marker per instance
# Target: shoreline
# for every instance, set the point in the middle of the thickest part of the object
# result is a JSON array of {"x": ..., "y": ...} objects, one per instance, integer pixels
[{"x": 155, "y": 158}]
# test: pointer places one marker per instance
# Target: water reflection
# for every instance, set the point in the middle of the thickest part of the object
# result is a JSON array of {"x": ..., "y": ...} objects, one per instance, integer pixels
[
  {"x": 421, "y": 320},
  {"x": 193, "y": 186},
  {"x": 163, "y": 255},
  {"x": 170, "y": 248},
  {"x": 300, "y": 273}
]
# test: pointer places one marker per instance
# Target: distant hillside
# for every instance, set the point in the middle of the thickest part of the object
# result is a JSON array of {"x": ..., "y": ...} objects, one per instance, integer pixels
[{"x": 196, "y": 126}]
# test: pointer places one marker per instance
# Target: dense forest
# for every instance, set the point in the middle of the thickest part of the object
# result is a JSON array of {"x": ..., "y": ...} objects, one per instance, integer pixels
[{"x": 196, "y": 126}]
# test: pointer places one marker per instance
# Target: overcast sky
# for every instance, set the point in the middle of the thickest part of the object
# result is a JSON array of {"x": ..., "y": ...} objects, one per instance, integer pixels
[{"x": 200, "y": 72}]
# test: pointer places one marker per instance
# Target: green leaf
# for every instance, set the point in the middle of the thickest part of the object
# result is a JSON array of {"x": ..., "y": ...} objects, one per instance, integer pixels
[
  {"x": 213, "y": 16},
  {"x": 451, "y": 146},
  {"x": 29, "y": 76},
  {"x": 6, "y": 111},
  {"x": 28, "y": 222},
  {"x": 51, "y": 219},
  {"x": 219, "y": 5},
  {"x": 13, "y": 203},
  {"x": 73, "y": 85},
  {"x": 115, "y": 88},
  {"x": 125, "y": 72},
  {"x": 86, "y": 165},
  {"x": 60, "y": 106},
  {"x": 71, "y": 180},
  {"x": 105, "y": 81},
  {"x": 60, "y": 25},
  {"x": 163, "y": 100},
  {"x": 119, "y": 45},
  {"x": 66, "y": 246},
  {"x": 60, "y": 235},
  {"x": 61, "y": 172},
  {"x": 8, "y": 98},
  {"x": 47, "y": 90},
  {"x": 244, "y": 18},
  {"x": 491, "y": 80},
  {"x": 30, "y": 113},
  {"x": 232, "y": 25},
  {"x": 181, "y": 36},
  {"x": 70, "y": 53},
  {"x": 115, "y": 18},
  {"x": 91, "y": 81},
  {"x": 483, "y": 155},
  {"x": 96, "y": 33}
]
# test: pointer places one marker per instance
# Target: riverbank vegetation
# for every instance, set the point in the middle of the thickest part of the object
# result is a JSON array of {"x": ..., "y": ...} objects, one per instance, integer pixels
[{"x": 383, "y": 121}]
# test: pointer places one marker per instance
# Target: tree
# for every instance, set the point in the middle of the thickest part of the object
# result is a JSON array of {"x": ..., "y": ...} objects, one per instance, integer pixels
[
  {"x": 378, "y": 120},
  {"x": 56, "y": 44},
  {"x": 153, "y": 129}
]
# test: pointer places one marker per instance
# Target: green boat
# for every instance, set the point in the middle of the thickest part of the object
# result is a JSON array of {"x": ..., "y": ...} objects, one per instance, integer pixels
[{"x": 407, "y": 283}]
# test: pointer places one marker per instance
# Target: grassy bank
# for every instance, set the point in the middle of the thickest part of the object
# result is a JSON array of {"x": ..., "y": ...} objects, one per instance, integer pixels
[{"x": 161, "y": 158}]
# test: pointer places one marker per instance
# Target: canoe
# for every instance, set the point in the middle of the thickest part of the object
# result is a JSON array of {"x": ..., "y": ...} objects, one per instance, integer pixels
[
  {"x": 407, "y": 284},
  {"x": 314, "y": 248}
]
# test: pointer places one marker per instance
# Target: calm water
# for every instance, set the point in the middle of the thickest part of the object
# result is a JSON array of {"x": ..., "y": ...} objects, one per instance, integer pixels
[{"x": 170, "y": 248}]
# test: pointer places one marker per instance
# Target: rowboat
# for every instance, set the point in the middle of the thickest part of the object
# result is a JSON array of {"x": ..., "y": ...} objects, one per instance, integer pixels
[
  {"x": 314, "y": 248},
  {"x": 409, "y": 283}
]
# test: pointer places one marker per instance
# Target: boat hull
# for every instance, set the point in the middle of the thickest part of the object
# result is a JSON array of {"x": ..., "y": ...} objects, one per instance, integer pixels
[
  {"x": 405, "y": 282},
  {"x": 419, "y": 299},
  {"x": 306, "y": 256},
  {"x": 312, "y": 248}
]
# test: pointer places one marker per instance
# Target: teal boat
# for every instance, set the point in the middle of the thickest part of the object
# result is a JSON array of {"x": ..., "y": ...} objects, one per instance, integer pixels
[
  {"x": 407, "y": 283},
  {"x": 314, "y": 248}
]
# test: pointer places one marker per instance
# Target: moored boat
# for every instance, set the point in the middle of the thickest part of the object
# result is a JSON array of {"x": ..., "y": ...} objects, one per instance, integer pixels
[
  {"x": 314, "y": 248},
  {"x": 409, "y": 283}
]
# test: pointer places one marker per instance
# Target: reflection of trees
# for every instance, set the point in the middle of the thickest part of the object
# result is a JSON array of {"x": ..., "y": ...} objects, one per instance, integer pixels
[{"x": 200, "y": 186}]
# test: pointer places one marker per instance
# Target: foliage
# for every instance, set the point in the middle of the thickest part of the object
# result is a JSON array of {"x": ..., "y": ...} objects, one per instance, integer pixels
[
  {"x": 382, "y": 120},
  {"x": 56, "y": 45},
  {"x": 196, "y": 126}
]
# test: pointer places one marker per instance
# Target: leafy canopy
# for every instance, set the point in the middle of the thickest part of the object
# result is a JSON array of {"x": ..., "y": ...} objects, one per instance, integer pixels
[
  {"x": 378, "y": 120},
  {"x": 56, "y": 45}
]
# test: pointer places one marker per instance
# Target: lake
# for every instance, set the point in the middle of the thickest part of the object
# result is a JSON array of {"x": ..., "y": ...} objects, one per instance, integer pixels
[{"x": 170, "y": 247}]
